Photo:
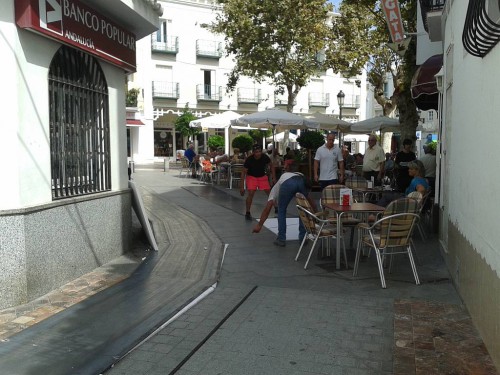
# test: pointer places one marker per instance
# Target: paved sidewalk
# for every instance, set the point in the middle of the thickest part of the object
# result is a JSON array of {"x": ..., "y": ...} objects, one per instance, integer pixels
[
  {"x": 270, "y": 316},
  {"x": 267, "y": 314}
]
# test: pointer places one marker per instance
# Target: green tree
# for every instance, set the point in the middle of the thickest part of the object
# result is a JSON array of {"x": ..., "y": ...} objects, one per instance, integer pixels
[
  {"x": 258, "y": 134},
  {"x": 182, "y": 124},
  {"x": 362, "y": 35},
  {"x": 215, "y": 141},
  {"x": 243, "y": 141},
  {"x": 281, "y": 42},
  {"x": 131, "y": 99}
]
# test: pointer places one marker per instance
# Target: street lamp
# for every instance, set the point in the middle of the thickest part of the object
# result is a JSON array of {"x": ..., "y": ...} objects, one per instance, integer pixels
[{"x": 340, "y": 101}]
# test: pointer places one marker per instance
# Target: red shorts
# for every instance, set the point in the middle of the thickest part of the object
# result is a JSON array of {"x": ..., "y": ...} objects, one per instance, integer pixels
[{"x": 261, "y": 183}]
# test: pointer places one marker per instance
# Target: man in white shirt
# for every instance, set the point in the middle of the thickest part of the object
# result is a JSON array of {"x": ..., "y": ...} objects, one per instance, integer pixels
[
  {"x": 281, "y": 194},
  {"x": 373, "y": 161},
  {"x": 328, "y": 159}
]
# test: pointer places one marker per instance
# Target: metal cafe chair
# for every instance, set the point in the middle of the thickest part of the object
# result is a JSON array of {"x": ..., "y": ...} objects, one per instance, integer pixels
[
  {"x": 393, "y": 231},
  {"x": 316, "y": 227}
]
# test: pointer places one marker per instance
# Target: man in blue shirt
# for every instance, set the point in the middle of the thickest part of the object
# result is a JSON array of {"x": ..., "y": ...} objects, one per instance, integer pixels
[{"x": 193, "y": 159}]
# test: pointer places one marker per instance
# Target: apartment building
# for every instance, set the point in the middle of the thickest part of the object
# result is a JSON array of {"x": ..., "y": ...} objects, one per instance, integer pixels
[{"x": 185, "y": 64}]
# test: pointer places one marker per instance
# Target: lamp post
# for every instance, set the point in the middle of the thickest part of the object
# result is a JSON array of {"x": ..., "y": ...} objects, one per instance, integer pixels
[{"x": 340, "y": 101}]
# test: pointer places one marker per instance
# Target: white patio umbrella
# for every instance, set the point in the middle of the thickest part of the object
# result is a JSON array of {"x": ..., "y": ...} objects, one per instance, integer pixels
[
  {"x": 219, "y": 121},
  {"x": 281, "y": 136},
  {"x": 328, "y": 122},
  {"x": 277, "y": 120},
  {"x": 379, "y": 123}
]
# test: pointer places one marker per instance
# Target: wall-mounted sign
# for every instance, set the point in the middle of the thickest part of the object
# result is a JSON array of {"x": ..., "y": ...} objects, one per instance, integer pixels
[
  {"x": 393, "y": 17},
  {"x": 78, "y": 25}
]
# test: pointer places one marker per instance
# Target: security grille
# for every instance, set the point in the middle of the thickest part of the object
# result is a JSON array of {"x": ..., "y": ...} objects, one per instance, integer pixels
[{"x": 79, "y": 125}]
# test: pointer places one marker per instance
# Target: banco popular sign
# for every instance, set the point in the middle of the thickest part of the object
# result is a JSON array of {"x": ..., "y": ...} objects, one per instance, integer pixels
[{"x": 80, "y": 26}]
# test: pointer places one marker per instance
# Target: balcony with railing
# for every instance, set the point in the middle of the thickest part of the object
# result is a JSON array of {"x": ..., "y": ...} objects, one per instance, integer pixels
[
  {"x": 209, "y": 48},
  {"x": 169, "y": 46},
  {"x": 249, "y": 95},
  {"x": 165, "y": 90},
  {"x": 209, "y": 93},
  {"x": 432, "y": 10},
  {"x": 352, "y": 101},
  {"x": 319, "y": 99},
  {"x": 282, "y": 100}
]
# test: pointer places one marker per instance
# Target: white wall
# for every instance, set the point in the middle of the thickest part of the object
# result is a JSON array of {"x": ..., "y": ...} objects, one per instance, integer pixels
[
  {"x": 473, "y": 137},
  {"x": 24, "y": 144}
]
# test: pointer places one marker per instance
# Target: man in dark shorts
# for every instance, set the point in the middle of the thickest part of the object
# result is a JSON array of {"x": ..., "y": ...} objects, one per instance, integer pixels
[{"x": 254, "y": 170}]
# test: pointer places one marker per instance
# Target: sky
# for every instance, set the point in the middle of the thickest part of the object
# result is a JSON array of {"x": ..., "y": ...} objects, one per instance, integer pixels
[{"x": 336, "y": 3}]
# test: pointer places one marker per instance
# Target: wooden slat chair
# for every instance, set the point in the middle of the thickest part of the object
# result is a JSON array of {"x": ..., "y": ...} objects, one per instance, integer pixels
[
  {"x": 331, "y": 195},
  {"x": 316, "y": 227},
  {"x": 392, "y": 231}
]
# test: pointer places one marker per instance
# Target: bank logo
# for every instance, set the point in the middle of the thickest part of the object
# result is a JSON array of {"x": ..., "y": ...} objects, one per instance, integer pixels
[{"x": 51, "y": 15}]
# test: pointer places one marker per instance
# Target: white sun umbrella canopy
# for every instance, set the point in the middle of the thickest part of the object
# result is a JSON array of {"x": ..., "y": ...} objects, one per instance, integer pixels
[
  {"x": 281, "y": 136},
  {"x": 328, "y": 122},
  {"x": 219, "y": 121},
  {"x": 277, "y": 120},
  {"x": 379, "y": 123}
]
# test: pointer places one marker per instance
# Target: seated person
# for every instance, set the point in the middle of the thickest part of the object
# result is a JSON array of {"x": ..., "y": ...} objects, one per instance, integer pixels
[
  {"x": 237, "y": 158},
  {"x": 416, "y": 170},
  {"x": 220, "y": 156},
  {"x": 193, "y": 159}
]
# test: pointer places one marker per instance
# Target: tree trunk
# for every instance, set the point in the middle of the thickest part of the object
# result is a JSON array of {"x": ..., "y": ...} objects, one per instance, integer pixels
[{"x": 407, "y": 116}]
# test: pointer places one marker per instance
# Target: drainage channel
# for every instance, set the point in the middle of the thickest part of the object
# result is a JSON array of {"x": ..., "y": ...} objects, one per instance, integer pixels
[{"x": 210, "y": 334}]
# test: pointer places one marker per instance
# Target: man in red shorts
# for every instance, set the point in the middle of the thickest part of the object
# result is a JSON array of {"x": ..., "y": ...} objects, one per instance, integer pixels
[{"x": 254, "y": 170}]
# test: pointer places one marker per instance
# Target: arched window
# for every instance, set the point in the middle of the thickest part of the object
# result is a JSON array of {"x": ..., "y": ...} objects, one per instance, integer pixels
[{"x": 79, "y": 125}]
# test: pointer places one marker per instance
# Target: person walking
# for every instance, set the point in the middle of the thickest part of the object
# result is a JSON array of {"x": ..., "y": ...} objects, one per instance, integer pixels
[
  {"x": 373, "y": 161},
  {"x": 327, "y": 160},
  {"x": 290, "y": 183},
  {"x": 429, "y": 162},
  {"x": 254, "y": 173}
]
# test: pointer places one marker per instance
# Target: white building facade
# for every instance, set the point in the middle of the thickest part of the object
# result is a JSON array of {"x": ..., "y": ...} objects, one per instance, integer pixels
[
  {"x": 185, "y": 64},
  {"x": 469, "y": 136},
  {"x": 64, "y": 202}
]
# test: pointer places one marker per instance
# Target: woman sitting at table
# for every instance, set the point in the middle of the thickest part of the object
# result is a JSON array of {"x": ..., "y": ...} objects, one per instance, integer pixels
[{"x": 416, "y": 170}]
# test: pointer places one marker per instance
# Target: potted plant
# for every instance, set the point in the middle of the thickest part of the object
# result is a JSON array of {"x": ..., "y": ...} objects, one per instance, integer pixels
[
  {"x": 243, "y": 142},
  {"x": 215, "y": 141}
]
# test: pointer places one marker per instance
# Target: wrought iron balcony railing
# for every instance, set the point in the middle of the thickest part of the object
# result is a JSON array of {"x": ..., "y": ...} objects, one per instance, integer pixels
[
  {"x": 249, "y": 95},
  {"x": 209, "y": 48},
  {"x": 352, "y": 101},
  {"x": 170, "y": 46},
  {"x": 209, "y": 93},
  {"x": 319, "y": 99},
  {"x": 165, "y": 90}
]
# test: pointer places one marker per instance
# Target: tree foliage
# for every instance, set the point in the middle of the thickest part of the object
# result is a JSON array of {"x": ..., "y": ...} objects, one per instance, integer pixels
[
  {"x": 362, "y": 35},
  {"x": 182, "y": 123},
  {"x": 311, "y": 140},
  {"x": 215, "y": 141},
  {"x": 276, "y": 41},
  {"x": 243, "y": 142}
]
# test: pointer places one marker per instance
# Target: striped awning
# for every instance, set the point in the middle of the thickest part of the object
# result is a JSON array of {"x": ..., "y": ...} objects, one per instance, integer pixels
[{"x": 424, "y": 91}]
